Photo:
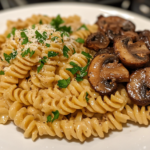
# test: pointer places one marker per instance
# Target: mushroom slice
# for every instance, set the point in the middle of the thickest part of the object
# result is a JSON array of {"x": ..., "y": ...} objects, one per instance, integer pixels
[
  {"x": 132, "y": 55},
  {"x": 145, "y": 36},
  {"x": 97, "y": 41},
  {"x": 104, "y": 72},
  {"x": 108, "y": 50},
  {"x": 139, "y": 87},
  {"x": 115, "y": 24}
]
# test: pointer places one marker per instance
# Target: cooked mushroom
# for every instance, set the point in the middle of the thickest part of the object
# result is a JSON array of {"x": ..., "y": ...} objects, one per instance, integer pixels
[
  {"x": 114, "y": 23},
  {"x": 108, "y": 50},
  {"x": 139, "y": 87},
  {"x": 145, "y": 36},
  {"x": 132, "y": 55},
  {"x": 97, "y": 41},
  {"x": 104, "y": 72},
  {"x": 131, "y": 34}
]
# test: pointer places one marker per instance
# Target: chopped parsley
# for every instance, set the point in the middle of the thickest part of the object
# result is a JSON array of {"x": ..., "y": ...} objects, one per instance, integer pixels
[
  {"x": 33, "y": 26},
  {"x": 40, "y": 37},
  {"x": 26, "y": 52},
  {"x": 83, "y": 27},
  {"x": 86, "y": 97},
  {"x": 2, "y": 72},
  {"x": 41, "y": 22},
  {"x": 47, "y": 45},
  {"x": 87, "y": 55},
  {"x": 25, "y": 38},
  {"x": 79, "y": 40},
  {"x": 56, "y": 116},
  {"x": 52, "y": 54},
  {"x": 75, "y": 68},
  {"x": 64, "y": 34},
  {"x": 63, "y": 83},
  {"x": 42, "y": 62},
  {"x": 56, "y": 22},
  {"x": 65, "y": 51},
  {"x": 12, "y": 32},
  {"x": 54, "y": 38},
  {"x": 10, "y": 56},
  {"x": 74, "y": 51}
]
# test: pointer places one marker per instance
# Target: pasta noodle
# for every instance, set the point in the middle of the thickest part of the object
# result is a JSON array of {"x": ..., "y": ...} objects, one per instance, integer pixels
[{"x": 44, "y": 87}]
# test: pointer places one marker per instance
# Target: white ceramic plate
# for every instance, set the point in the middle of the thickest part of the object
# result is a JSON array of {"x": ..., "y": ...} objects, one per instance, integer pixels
[{"x": 133, "y": 137}]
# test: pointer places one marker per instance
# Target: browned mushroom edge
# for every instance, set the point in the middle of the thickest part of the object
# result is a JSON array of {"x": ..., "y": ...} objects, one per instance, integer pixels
[
  {"x": 145, "y": 36},
  {"x": 132, "y": 55},
  {"x": 139, "y": 87},
  {"x": 115, "y": 24},
  {"x": 104, "y": 72},
  {"x": 97, "y": 41}
]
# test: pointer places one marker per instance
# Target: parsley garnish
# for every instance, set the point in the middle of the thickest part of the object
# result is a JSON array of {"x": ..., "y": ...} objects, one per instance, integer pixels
[
  {"x": 26, "y": 52},
  {"x": 25, "y": 40},
  {"x": 33, "y": 26},
  {"x": 63, "y": 83},
  {"x": 74, "y": 51},
  {"x": 75, "y": 68},
  {"x": 54, "y": 38},
  {"x": 10, "y": 56},
  {"x": 41, "y": 22},
  {"x": 2, "y": 73},
  {"x": 56, "y": 116},
  {"x": 87, "y": 55},
  {"x": 65, "y": 51},
  {"x": 83, "y": 27},
  {"x": 40, "y": 37},
  {"x": 42, "y": 62},
  {"x": 52, "y": 54},
  {"x": 12, "y": 32},
  {"x": 79, "y": 40},
  {"x": 86, "y": 97},
  {"x": 64, "y": 34},
  {"x": 9, "y": 35},
  {"x": 47, "y": 45},
  {"x": 57, "y": 21}
]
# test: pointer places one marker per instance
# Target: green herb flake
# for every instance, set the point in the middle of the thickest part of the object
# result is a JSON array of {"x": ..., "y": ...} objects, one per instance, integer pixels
[
  {"x": 47, "y": 45},
  {"x": 25, "y": 38},
  {"x": 56, "y": 116},
  {"x": 42, "y": 62},
  {"x": 40, "y": 37},
  {"x": 33, "y": 26},
  {"x": 10, "y": 56},
  {"x": 13, "y": 31},
  {"x": 44, "y": 35},
  {"x": 9, "y": 35},
  {"x": 74, "y": 51},
  {"x": 83, "y": 27},
  {"x": 79, "y": 40},
  {"x": 52, "y": 54},
  {"x": 54, "y": 38},
  {"x": 65, "y": 51},
  {"x": 86, "y": 97},
  {"x": 75, "y": 68},
  {"x": 63, "y": 83},
  {"x": 65, "y": 29},
  {"x": 57, "y": 21},
  {"x": 87, "y": 55},
  {"x": 41, "y": 22},
  {"x": 2, "y": 73}
]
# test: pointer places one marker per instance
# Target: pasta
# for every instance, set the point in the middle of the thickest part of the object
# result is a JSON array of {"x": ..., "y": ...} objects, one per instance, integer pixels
[{"x": 44, "y": 83}]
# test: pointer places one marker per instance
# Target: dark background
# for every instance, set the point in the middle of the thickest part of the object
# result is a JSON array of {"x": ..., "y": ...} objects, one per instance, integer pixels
[{"x": 138, "y": 6}]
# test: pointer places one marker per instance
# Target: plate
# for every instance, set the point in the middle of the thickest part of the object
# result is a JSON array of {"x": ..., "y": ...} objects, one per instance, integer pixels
[{"x": 133, "y": 136}]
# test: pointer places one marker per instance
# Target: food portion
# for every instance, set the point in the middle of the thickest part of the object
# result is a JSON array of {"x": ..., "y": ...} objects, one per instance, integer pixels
[{"x": 61, "y": 77}]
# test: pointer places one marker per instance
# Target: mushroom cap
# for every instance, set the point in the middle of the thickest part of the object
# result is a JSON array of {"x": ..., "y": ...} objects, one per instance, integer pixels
[
  {"x": 96, "y": 41},
  {"x": 115, "y": 24},
  {"x": 132, "y": 55},
  {"x": 138, "y": 87},
  {"x": 145, "y": 36},
  {"x": 104, "y": 72}
]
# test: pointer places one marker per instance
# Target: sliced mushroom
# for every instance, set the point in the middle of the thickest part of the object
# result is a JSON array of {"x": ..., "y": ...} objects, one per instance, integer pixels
[
  {"x": 139, "y": 87},
  {"x": 104, "y": 72},
  {"x": 114, "y": 23},
  {"x": 132, "y": 55},
  {"x": 131, "y": 34},
  {"x": 97, "y": 41},
  {"x": 145, "y": 36},
  {"x": 108, "y": 50}
]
